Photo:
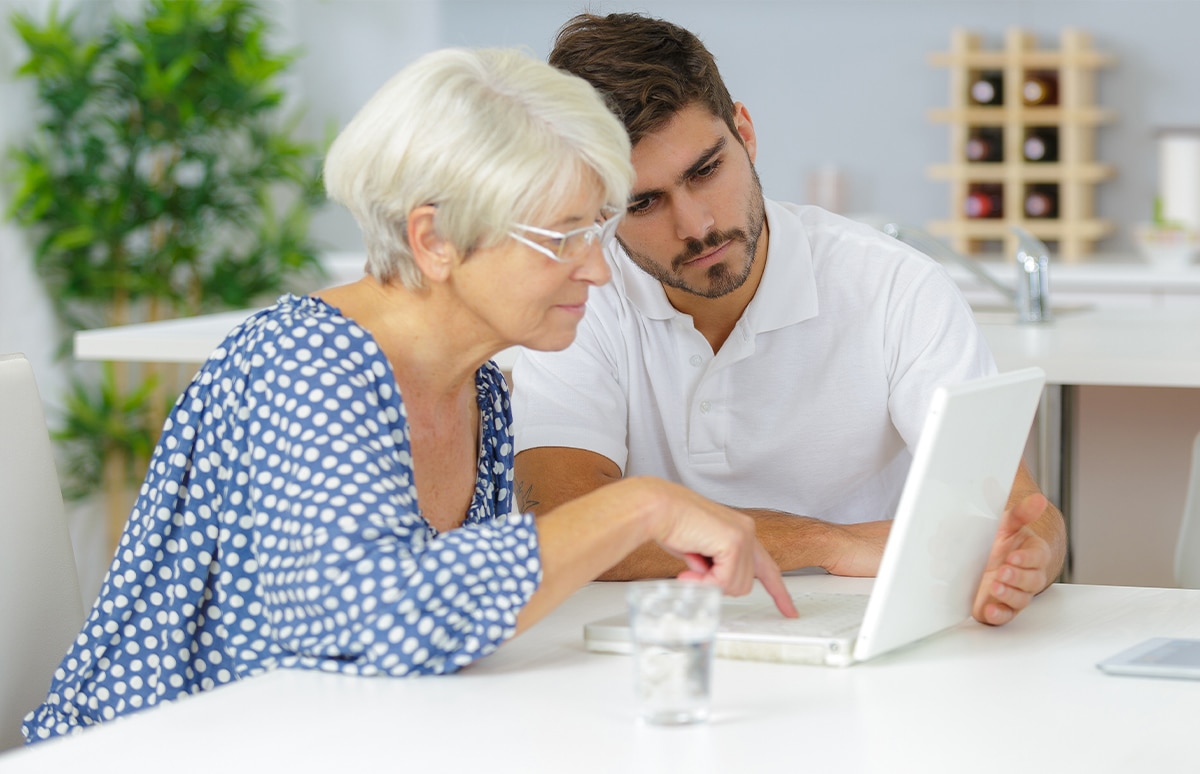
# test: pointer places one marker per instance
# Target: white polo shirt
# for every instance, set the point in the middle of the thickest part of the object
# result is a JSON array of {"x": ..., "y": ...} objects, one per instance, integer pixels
[{"x": 813, "y": 404}]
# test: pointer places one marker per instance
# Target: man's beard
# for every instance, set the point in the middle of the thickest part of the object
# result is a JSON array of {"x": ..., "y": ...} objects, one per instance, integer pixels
[{"x": 721, "y": 279}]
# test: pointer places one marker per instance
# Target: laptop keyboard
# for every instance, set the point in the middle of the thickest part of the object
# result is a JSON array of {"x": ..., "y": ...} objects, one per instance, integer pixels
[{"x": 821, "y": 615}]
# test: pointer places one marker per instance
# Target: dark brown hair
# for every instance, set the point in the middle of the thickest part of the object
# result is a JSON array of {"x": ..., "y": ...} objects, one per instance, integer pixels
[{"x": 648, "y": 69}]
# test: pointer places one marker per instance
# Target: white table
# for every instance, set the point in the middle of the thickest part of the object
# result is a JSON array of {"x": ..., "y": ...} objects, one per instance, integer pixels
[
  {"x": 1021, "y": 698},
  {"x": 186, "y": 340},
  {"x": 1146, "y": 347}
]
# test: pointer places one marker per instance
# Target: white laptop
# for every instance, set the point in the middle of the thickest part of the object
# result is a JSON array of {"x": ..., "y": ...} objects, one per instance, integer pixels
[{"x": 957, "y": 488}]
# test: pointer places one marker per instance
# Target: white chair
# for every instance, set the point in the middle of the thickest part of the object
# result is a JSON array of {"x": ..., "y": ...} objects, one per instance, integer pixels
[
  {"x": 40, "y": 610},
  {"x": 1187, "y": 548}
]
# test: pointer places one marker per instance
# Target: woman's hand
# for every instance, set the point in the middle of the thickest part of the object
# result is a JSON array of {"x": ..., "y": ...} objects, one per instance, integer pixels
[
  {"x": 718, "y": 544},
  {"x": 581, "y": 538}
]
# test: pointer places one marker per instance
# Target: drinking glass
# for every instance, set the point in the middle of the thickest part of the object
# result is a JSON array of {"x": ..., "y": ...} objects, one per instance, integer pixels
[{"x": 674, "y": 624}]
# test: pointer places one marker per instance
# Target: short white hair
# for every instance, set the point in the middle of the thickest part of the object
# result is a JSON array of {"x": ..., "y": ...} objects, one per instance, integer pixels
[{"x": 491, "y": 136}]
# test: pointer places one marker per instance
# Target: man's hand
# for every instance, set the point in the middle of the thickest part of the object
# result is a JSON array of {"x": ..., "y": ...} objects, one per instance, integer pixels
[{"x": 1021, "y": 564}]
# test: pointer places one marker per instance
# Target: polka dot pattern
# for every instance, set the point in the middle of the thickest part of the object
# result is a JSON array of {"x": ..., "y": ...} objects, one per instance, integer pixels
[{"x": 279, "y": 526}]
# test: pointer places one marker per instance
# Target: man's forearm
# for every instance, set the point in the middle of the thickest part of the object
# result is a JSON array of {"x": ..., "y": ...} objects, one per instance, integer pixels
[
  {"x": 647, "y": 561},
  {"x": 549, "y": 477},
  {"x": 795, "y": 542}
]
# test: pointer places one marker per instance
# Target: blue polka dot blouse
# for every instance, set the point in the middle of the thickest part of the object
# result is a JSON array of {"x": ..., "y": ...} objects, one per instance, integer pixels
[{"x": 279, "y": 526}]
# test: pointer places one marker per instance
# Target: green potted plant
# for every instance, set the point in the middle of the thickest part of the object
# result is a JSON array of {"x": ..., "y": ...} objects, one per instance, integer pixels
[{"x": 162, "y": 180}]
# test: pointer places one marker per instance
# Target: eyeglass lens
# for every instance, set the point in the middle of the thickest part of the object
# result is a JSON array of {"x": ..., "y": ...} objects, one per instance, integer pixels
[{"x": 576, "y": 243}]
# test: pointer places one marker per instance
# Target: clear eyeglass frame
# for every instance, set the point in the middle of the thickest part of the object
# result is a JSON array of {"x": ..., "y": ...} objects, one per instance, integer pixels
[{"x": 570, "y": 246}]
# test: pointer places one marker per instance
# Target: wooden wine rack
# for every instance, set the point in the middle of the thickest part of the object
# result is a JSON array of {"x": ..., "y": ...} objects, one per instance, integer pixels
[{"x": 1074, "y": 231}]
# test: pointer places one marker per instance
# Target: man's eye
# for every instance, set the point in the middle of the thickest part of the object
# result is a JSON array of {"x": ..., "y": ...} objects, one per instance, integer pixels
[
  {"x": 707, "y": 170},
  {"x": 640, "y": 206}
]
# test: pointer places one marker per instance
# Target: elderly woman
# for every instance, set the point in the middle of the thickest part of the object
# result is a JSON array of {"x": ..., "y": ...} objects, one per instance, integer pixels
[{"x": 334, "y": 489}]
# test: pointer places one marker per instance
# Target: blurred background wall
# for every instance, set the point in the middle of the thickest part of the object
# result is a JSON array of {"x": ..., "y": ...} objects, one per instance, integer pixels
[{"x": 828, "y": 82}]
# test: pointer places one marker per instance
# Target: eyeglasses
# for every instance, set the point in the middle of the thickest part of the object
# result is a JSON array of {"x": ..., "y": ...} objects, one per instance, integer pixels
[{"x": 570, "y": 246}]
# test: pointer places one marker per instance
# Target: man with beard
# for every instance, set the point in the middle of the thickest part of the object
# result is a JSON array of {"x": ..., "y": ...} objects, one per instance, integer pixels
[{"x": 774, "y": 357}]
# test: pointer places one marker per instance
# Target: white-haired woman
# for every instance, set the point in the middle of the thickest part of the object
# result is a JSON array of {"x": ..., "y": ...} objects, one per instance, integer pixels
[{"x": 333, "y": 490}]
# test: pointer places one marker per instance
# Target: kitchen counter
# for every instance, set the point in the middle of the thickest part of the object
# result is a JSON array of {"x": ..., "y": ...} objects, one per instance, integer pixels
[
  {"x": 1110, "y": 346},
  {"x": 1104, "y": 280}
]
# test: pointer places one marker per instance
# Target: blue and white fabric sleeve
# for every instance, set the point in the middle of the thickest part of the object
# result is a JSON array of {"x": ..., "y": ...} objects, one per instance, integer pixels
[{"x": 351, "y": 574}]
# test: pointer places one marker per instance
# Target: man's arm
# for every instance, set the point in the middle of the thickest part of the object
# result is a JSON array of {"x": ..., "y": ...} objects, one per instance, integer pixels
[
  {"x": 547, "y": 477},
  {"x": 577, "y": 540},
  {"x": 1027, "y": 555},
  {"x": 802, "y": 541}
]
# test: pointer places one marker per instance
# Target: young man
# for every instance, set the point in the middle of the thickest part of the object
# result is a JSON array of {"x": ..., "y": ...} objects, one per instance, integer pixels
[{"x": 776, "y": 358}]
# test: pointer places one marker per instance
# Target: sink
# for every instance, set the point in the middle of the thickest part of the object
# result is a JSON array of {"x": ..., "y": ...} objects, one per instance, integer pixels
[{"x": 1003, "y": 313}]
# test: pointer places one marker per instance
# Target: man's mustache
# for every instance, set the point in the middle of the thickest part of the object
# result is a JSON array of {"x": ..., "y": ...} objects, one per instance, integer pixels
[{"x": 695, "y": 247}]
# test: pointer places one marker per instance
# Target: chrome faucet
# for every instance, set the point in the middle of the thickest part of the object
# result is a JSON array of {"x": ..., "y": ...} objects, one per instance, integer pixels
[
  {"x": 1033, "y": 278},
  {"x": 1030, "y": 298}
]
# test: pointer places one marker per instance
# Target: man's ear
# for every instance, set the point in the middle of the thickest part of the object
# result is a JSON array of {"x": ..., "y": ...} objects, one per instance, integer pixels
[
  {"x": 433, "y": 255},
  {"x": 745, "y": 127}
]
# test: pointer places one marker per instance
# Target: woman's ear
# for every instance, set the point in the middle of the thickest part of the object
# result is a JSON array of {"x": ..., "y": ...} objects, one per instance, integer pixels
[{"x": 433, "y": 255}]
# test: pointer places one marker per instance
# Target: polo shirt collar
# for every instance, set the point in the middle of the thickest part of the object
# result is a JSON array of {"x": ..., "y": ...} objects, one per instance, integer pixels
[{"x": 786, "y": 294}]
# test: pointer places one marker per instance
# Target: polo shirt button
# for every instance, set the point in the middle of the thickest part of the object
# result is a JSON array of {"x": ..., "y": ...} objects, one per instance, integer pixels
[
  {"x": 696, "y": 360},
  {"x": 704, "y": 407}
]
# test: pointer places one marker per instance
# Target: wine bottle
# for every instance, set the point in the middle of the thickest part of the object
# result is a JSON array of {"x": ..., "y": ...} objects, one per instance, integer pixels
[
  {"x": 1040, "y": 88},
  {"x": 984, "y": 200},
  {"x": 985, "y": 144},
  {"x": 988, "y": 88},
  {"x": 1041, "y": 144},
  {"x": 1041, "y": 201}
]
